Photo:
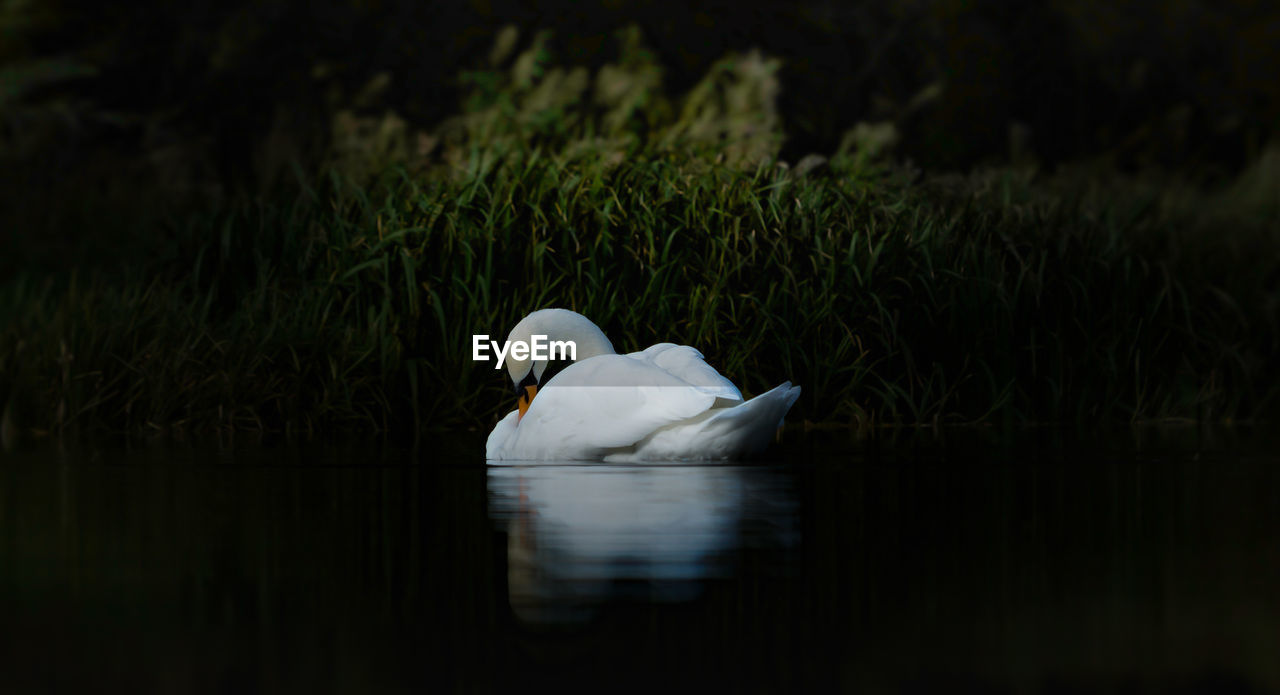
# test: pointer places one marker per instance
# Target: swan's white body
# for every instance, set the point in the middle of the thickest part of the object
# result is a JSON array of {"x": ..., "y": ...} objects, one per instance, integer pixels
[{"x": 663, "y": 403}]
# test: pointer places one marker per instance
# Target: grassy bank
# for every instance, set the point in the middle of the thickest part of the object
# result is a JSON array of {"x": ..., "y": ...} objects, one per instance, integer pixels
[
  {"x": 888, "y": 301},
  {"x": 891, "y": 296}
]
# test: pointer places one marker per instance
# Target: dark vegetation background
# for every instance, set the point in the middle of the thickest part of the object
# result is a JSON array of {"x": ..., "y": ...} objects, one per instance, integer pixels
[
  {"x": 139, "y": 141},
  {"x": 175, "y": 102}
]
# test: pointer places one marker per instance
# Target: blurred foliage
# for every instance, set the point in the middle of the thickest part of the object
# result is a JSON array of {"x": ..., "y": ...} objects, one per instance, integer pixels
[
  {"x": 893, "y": 295},
  {"x": 207, "y": 98},
  {"x": 618, "y": 109},
  {"x": 998, "y": 296},
  {"x": 293, "y": 215}
]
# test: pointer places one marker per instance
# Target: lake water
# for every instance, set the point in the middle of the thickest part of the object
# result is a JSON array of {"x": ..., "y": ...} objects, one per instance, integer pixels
[{"x": 1033, "y": 561}]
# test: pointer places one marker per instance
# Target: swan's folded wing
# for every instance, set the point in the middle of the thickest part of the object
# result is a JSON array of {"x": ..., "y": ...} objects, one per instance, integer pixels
[
  {"x": 688, "y": 365},
  {"x": 607, "y": 402},
  {"x": 721, "y": 433}
]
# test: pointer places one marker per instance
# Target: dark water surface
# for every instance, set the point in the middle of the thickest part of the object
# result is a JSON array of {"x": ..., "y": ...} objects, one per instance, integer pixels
[{"x": 1031, "y": 562}]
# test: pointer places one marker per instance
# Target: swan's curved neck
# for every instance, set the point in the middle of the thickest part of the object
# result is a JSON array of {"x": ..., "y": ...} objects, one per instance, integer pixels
[
  {"x": 590, "y": 345},
  {"x": 564, "y": 325},
  {"x": 558, "y": 325}
]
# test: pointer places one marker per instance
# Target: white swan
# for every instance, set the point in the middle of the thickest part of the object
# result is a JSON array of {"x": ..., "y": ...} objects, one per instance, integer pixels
[{"x": 663, "y": 403}]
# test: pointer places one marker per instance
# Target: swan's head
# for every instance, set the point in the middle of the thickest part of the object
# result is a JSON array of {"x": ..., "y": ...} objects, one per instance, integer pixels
[{"x": 555, "y": 328}]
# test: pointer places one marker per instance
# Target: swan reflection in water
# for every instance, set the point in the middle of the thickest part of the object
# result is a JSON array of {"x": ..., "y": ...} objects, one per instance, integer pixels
[{"x": 579, "y": 535}]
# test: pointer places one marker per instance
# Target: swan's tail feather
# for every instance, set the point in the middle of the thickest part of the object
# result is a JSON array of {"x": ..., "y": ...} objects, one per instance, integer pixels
[
  {"x": 789, "y": 395},
  {"x": 749, "y": 427},
  {"x": 724, "y": 433}
]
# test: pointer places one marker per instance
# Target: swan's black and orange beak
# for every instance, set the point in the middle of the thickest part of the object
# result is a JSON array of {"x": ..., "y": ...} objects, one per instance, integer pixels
[
  {"x": 526, "y": 399},
  {"x": 526, "y": 390}
]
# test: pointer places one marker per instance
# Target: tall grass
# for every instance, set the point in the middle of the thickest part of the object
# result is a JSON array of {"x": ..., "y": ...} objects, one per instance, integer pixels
[
  {"x": 892, "y": 297},
  {"x": 889, "y": 302}
]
